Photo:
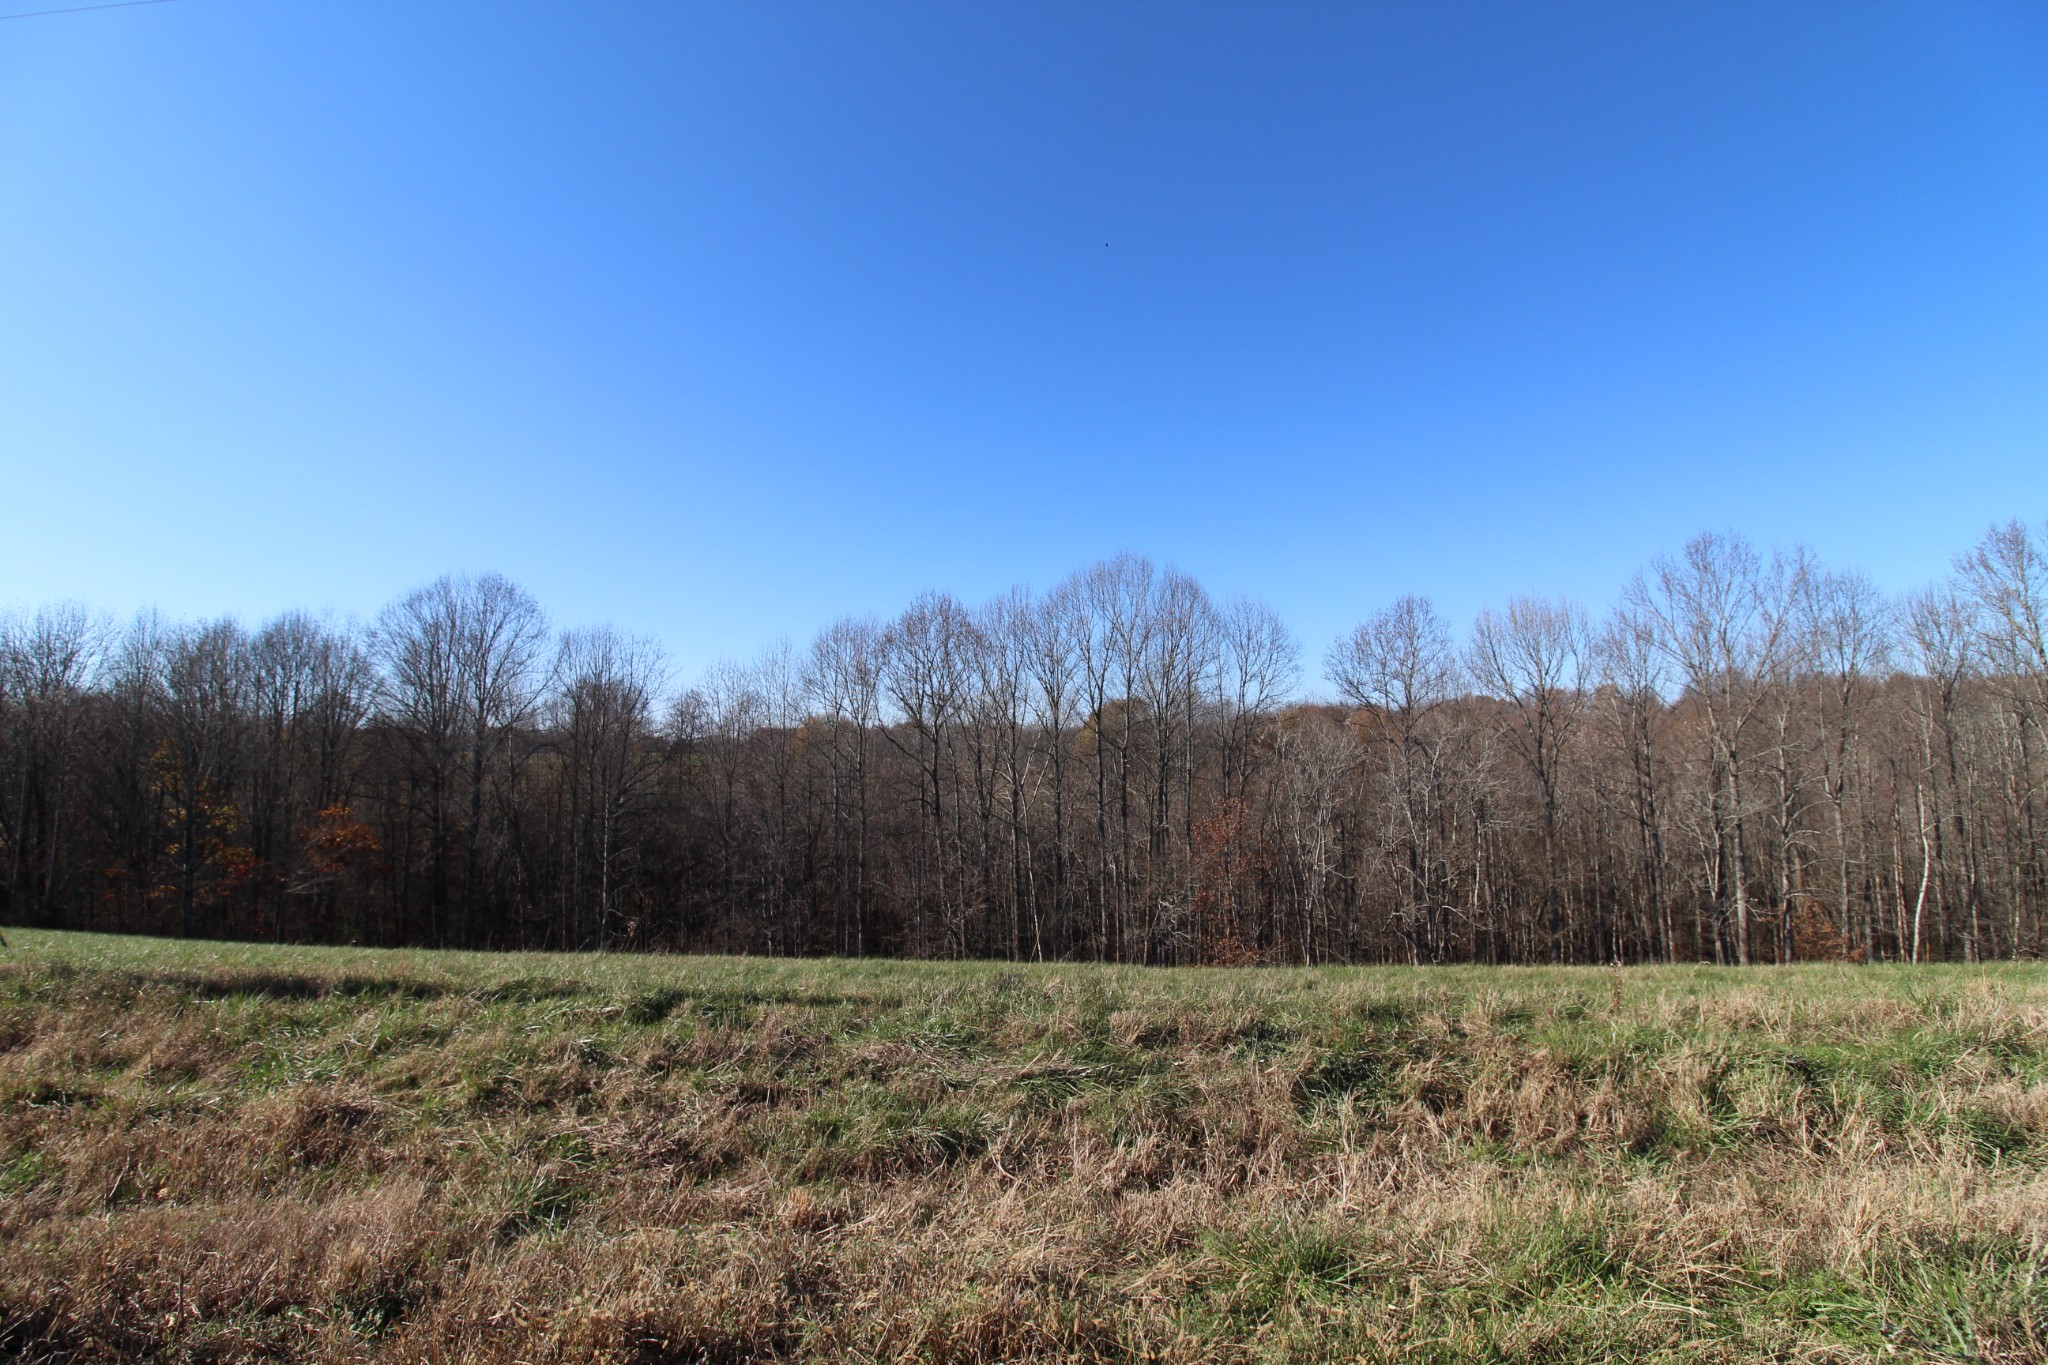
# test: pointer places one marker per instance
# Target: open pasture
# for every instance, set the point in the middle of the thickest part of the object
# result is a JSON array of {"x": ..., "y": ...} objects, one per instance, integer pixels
[{"x": 216, "y": 1151}]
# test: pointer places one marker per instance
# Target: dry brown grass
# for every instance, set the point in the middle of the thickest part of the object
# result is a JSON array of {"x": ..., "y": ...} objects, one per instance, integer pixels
[{"x": 222, "y": 1153}]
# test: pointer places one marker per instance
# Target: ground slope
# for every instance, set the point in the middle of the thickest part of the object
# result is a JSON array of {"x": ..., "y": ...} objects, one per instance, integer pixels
[{"x": 213, "y": 1151}]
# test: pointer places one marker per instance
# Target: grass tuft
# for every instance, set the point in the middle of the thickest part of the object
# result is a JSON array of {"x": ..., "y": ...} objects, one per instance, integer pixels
[{"x": 234, "y": 1152}]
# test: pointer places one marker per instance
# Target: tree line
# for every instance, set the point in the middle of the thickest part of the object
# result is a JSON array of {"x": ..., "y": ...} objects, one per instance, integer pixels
[{"x": 1751, "y": 758}]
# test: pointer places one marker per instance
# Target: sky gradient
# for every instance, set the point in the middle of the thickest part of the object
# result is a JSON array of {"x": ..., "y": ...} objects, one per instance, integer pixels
[{"x": 717, "y": 322}]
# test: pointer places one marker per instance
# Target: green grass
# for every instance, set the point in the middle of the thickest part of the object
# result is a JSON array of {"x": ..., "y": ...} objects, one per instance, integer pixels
[{"x": 228, "y": 1151}]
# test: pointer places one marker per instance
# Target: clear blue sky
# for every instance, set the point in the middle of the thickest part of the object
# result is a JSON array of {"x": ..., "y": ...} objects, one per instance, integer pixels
[{"x": 717, "y": 321}]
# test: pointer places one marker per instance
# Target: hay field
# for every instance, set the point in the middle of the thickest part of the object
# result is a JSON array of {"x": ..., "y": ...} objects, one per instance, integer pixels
[{"x": 225, "y": 1152}]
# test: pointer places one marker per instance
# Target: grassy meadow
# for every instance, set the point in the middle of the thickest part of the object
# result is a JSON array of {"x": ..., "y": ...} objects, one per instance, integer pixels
[{"x": 228, "y": 1152}]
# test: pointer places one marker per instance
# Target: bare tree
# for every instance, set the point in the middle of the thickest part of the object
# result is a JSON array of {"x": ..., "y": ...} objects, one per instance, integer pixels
[
  {"x": 1003, "y": 658},
  {"x": 1118, "y": 595},
  {"x": 1053, "y": 637},
  {"x": 501, "y": 640},
  {"x": 1846, "y": 624},
  {"x": 2006, "y": 576},
  {"x": 310, "y": 689},
  {"x": 46, "y": 666},
  {"x": 462, "y": 661},
  {"x": 926, "y": 676},
  {"x": 205, "y": 687},
  {"x": 415, "y": 642},
  {"x": 1941, "y": 635},
  {"x": 727, "y": 713},
  {"x": 1400, "y": 670},
  {"x": 1174, "y": 674},
  {"x": 843, "y": 679},
  {"x": 1721, "y": 615},
  {"x": 1260, "y": 669},
  {"x": 1633, "y": 678},
  {"x": 606, "y": 709},
  {"x": 1534, "y": 657},
  {"x": 1316, "y": 754},
  {"x": 1754, "y": 774}
]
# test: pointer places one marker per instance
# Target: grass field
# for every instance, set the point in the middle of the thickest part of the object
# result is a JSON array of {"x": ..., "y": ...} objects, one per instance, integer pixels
[{"x": 213, "y": 1151}]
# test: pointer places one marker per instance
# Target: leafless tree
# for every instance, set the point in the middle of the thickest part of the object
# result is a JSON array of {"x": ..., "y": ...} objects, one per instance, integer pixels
[
  {"x": 928, "y": 655},
  {"x": 1846, "y": 624},
  {"x": 1260, "y": 669},
  {"x": 1316, "y": 755},
  {"x": 1053, "y": 637},
  {"x": 1534, "y": 657},
  {"x": 1942, "y": 639},
  {"x": 47, "y": 662},
  {"x": 1722, "y": 615},
  {"x": 462, "y": 660},
  {"x": 843, "y": 680},
  {"x": 1400, "y": 669},
  {"x": 206, "y": 682},
  {"x": 1173, "y": 675},
  {"x": 310, "y": 691},
  {"x": 1632, "y": 699},
  {"x": 2006, "y": 576},
  {"x": 1755, "y": 759},
  {"x": 605, "y": 716}
]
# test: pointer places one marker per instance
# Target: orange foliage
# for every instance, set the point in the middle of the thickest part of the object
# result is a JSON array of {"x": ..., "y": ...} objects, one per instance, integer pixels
[
  {"x": 337, "y": 842},
  {"x": 1226, "y": 855}
]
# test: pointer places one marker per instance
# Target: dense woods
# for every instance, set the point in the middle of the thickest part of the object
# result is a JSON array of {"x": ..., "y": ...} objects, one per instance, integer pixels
[{"x": 1752, "y": 758}]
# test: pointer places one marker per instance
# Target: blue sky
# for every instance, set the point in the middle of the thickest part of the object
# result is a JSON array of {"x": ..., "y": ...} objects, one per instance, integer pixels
[{"x": 720, "y": 321}]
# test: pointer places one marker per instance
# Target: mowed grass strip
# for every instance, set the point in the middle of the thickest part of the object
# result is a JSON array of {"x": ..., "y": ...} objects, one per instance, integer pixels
[{"x": 232, "y": 1152}]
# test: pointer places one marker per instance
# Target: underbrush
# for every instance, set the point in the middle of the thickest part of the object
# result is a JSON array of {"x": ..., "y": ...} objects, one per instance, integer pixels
[{"x": 225, "y": 1152}]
